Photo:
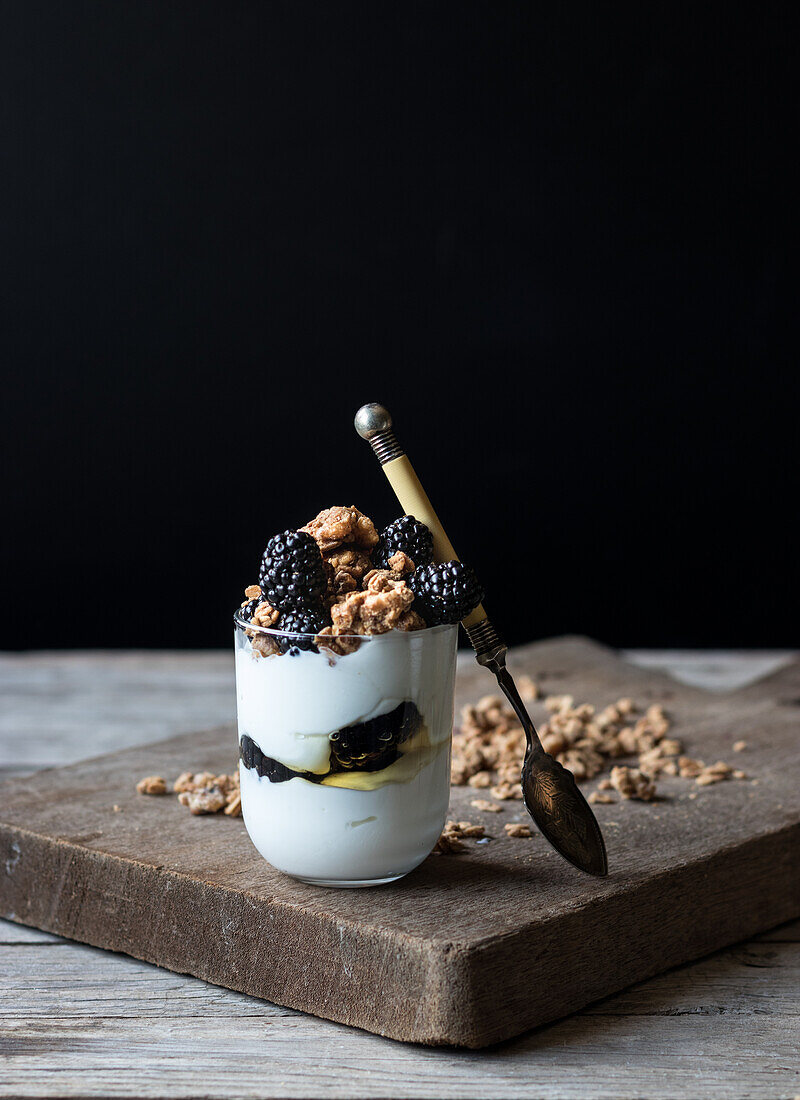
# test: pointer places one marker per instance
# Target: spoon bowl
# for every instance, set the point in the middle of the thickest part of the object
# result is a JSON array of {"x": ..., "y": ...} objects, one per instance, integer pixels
[{"x": 551, "y": 795}]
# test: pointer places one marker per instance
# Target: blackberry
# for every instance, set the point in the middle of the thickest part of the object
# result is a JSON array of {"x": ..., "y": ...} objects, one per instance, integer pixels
[
  {"x": 248, "y": 610},
  {"x": 292, "y": 575},
  {"x": 252, "y": 757},
  {"x": 307, "y": 621},
  {"x": 445, "y": 593},
  {"x": 372, "y": 745},
  {"x": 406, "y": 534}
]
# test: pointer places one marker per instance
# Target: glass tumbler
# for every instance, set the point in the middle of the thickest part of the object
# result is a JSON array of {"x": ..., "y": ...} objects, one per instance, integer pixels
[{"x": 344, "y": 760}]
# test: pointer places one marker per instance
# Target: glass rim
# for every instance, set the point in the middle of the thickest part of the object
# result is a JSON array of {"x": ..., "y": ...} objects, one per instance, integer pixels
[{"x": 243, "y": 624}]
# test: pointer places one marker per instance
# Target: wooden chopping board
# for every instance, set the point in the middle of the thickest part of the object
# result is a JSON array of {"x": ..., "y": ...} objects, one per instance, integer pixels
[{"x": 469, "y": 949}]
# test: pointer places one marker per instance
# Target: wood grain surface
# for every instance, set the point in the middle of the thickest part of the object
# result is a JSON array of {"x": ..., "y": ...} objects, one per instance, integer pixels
[
  {"x": 458, "y": 950},
  {"x": 85, "y": 1023}
]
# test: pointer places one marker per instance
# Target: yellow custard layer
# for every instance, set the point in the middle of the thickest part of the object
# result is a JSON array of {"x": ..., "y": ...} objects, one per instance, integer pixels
[{"x": 415, "y": 754}]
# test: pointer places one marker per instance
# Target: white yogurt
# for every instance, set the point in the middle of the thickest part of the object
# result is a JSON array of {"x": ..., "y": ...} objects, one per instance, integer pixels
[
  {"x": 339, "y": 835},
  {"x": 337, "y": 831},
  {"x": 290, "y": 704}
]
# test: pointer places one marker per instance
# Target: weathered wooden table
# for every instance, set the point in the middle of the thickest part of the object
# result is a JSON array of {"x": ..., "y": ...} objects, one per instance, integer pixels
[{"x": 81, "y": 1022}]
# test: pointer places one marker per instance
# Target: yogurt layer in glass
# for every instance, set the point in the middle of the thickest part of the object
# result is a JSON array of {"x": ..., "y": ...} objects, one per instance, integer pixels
[{"x": 345, "y": 759}]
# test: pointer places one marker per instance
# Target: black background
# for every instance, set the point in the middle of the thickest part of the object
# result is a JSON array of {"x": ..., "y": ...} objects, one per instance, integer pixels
[{"x": 552, "y": 238}]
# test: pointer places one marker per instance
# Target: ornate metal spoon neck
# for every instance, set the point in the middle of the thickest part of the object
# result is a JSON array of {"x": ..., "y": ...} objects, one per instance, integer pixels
[{"x": 490, "y": 649}]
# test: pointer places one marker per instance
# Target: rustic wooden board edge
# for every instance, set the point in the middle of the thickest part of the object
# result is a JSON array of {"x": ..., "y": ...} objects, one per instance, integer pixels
[
  {"x": 437, "y": 993},
  {"x": 429, "y": 1012},
  {"x": 85, "y": 902},
  {"x": 733, "y": 894}
]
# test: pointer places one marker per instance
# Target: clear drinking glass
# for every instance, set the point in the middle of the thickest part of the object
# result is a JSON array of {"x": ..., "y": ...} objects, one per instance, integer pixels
[{"x": 345, "y": 760}]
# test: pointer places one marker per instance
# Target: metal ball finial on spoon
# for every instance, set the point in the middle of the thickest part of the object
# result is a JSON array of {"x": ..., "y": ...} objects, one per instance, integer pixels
[
  {"x": 550, "y": 792},
  {"x": 371, "y": 419}
]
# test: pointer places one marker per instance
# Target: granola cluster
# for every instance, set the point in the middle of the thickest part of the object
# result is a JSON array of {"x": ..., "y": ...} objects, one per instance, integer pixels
[
  {"x": 338, "y": 526},
  {"x": 451, "y": 842},
  {"x": 633, "y": 783},
  {"x": 336, "y": 579},
  {"x": 359, "y": 598},
  {"x": 374, "y": 610},
  {"x": 453, "y": 836},
  {"x": 151, "y": 784},
  {"x": 346, "y": 568},
  {"x": 200, "y": 792},
  {"x": 489, "y": 747}
]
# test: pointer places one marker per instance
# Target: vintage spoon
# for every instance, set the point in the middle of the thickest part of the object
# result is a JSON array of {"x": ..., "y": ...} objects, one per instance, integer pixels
[{"x": 551, "y": 795}]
